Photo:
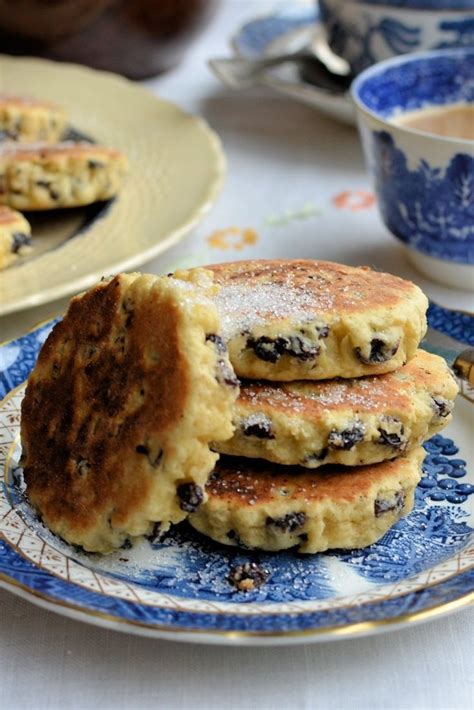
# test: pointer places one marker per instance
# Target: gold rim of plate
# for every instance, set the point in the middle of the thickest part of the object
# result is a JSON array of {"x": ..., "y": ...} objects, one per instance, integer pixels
[
  {"x": 161, "y": 200},
  {"x": 360, "y": 628}
]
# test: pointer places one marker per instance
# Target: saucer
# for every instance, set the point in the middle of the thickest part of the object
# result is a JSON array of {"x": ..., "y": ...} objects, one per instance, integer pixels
[{"x": 288, "y": 29}]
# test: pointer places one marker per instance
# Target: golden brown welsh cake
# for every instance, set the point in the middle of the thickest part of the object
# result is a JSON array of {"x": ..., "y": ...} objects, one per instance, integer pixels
[
  {"x": 128, "y": 390},
  {"x": 44, "y": 177},
  {"x": 349, "y": 422},
  {"x": 259, "y": 505},
  {"x": 15, "y": 236},
  {"x": 30, "y": 120},
  {"x": 288, "y": 320}
]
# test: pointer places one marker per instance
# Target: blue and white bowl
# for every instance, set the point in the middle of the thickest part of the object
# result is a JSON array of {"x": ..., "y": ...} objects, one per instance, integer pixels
[
  {"x": 368, "y": 31},
  {"x": 424, "y": 182}
]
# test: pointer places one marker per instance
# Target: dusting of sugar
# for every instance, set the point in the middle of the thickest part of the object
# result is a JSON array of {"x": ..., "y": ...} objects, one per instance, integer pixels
[
  {"x": 238, "y": 483},
  {"x": 268, "y": 394},
  {"x": 256, "y": 418},
  {"x": 343, "y": 576},
  {"x": 359, "y": 394},
  {"x": 365, "y": 393},
  {"x": 243, "y": 307},
  {"x": 192, "y": 292}
]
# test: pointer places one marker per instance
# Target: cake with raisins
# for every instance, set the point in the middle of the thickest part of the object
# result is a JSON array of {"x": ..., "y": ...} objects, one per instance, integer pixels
[
  {"x": 258, "y": 505},
  {"x": 302, "y": 319},
  {"x": 350, "y": 422},
  {"x": 128, "y": 391}
]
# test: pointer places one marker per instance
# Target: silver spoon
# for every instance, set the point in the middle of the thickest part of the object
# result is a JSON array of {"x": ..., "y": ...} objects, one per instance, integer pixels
[{"x": 317, "y": 63}]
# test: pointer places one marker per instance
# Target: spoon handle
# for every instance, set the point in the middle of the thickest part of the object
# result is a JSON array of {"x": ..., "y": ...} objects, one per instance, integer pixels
[{"x": 241, "y": 73}]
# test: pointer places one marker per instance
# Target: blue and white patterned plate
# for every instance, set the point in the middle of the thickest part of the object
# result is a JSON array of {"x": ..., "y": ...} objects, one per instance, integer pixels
[
  {"x": 287, "y": 30},
  {"x": 178, "y": 588}
]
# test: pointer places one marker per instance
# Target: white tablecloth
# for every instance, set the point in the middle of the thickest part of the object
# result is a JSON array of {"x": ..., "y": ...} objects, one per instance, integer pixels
[
  {"x": 50, "y": 662},
  {"x": 296, "y": 186}
]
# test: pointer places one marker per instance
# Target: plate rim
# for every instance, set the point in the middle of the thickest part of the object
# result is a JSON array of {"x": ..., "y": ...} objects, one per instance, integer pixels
[
  {"x": 67, "y": 288},
  {"x": 239, "y": 638}
]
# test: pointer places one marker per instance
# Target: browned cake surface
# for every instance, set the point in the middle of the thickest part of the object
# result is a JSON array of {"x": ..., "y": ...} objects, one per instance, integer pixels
[
  {"x": 390, "y": 392},
  {"x": 350, "y": 422},
  {"x": 245, "y": 482},
  {"x": 98, "y": 389},
  {"x": 128, "y": 390},
  {"x": 258, "y": 505},
  {"x": 309, "y": 285}
]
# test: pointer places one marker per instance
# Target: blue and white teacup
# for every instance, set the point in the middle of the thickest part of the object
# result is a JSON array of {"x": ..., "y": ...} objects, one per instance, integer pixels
[
  {"x": 367, "y": 31},
  {"x": 424, "y": 182}
]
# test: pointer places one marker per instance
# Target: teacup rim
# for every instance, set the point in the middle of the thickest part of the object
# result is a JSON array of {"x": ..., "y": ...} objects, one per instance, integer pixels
[{"x": 405, "y": 59}]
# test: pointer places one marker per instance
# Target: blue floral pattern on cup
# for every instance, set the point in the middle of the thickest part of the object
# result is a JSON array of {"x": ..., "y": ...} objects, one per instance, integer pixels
[
  {"x": 348, "y": 41},
  {"x": 430, "y": 208},
  {"x": 410, "y": 83},
  {"x": 424, "y": 183},
  {"x": 456, "y": 33},
  {"x": 367, "y": 32}
]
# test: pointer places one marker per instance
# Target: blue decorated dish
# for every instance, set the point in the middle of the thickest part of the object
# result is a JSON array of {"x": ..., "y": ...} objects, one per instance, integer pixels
[
  {"x": 179, "y": 587},
  {"x": 424, "y": 182},
  {"x": 287, "y": 29},
  {"x": 368, "y": 31}
]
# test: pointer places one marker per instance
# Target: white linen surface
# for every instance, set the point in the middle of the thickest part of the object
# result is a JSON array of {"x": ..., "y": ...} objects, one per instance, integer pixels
[{"x": 284, "y": 159}]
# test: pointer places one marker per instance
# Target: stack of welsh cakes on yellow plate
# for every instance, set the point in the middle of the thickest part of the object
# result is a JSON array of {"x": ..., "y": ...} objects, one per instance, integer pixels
[{"x": 331, "y": 379}]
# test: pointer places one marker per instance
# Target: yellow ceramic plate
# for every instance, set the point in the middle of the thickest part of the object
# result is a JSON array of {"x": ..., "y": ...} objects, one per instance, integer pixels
[{"x": 175, "y": 172}]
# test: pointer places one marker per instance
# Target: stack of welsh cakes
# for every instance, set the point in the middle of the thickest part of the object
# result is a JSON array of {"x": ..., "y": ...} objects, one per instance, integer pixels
[
  {"x": 335, "y": 402},
  {"x": 319, "y": 442}
]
